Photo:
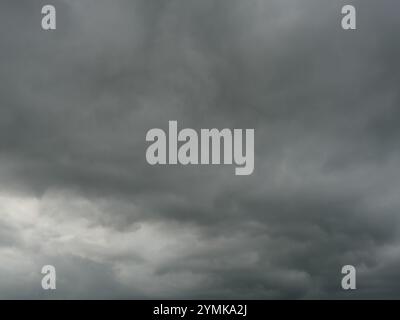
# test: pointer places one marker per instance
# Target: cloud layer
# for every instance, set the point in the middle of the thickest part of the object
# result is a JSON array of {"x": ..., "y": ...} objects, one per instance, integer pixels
[{"x": 76, "y": 191}]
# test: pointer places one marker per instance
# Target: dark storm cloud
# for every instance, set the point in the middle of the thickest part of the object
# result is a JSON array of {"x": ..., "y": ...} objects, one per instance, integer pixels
[{"x": 76, "y": 104}]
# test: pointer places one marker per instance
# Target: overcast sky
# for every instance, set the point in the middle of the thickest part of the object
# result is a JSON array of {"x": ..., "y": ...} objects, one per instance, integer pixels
[{"x": 76, "y": 191}]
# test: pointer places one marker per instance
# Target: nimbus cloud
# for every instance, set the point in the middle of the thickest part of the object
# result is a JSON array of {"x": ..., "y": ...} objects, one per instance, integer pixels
[{"x": 196, "y": 150}]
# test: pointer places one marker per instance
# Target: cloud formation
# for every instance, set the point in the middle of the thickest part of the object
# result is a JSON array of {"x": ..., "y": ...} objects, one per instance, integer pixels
[{"x": 77, "y": 192}]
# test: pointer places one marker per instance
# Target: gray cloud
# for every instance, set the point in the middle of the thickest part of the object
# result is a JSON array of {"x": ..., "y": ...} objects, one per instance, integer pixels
[{"x": 76, "y": 191}]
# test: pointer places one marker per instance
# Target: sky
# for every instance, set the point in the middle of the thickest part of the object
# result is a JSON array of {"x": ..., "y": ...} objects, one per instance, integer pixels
[{"x": 76, "y": 191}]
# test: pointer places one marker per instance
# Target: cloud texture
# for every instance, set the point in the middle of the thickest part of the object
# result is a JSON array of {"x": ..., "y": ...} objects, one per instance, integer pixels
[{"x": 77, "y": 193}]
